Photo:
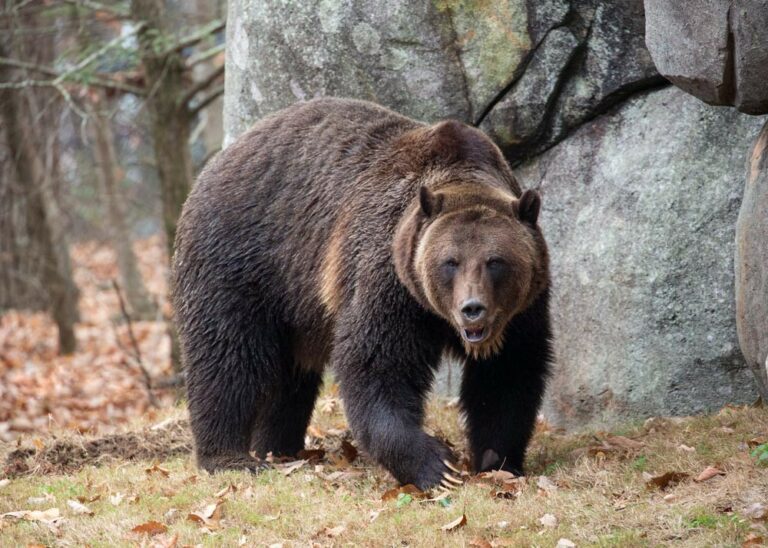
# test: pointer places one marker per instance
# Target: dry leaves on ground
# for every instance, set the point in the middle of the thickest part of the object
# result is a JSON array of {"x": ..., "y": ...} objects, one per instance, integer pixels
[
  {"x": 458, "y": 523},
  {"x": 99, "y": 387}
]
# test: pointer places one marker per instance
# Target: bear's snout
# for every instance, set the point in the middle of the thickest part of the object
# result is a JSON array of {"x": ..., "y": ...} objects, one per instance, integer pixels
[{"x": 473, "y": 310}]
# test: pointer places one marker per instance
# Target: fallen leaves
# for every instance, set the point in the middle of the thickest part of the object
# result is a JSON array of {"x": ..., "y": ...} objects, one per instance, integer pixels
[
  {"x": 209, "y": 516},
  {"x": 753, "y": 539},
  {"x": 50, "y": 518},
  {"x": 505, "y": 484},
  {"x": 290, "y": 467},
  {"x": 708, "y": 473},
  {"x": 331, "y": 532},
  {"x": 458, "y": 523},
  {"x": 546, "y": 485},
  {"x": 150, "y": 528},
  {"x": 34, "y": 515},
  {"x": 97, "y": 388},
  {"x": 665, "y": 480},
  {"x": 79, "y": 508},
  {"x": 157, "y": 469},
  {"x": 609, "y": 444}
]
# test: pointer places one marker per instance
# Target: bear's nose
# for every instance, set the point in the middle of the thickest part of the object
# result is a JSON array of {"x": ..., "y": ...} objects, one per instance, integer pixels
[{"x": 473, "y": 309}]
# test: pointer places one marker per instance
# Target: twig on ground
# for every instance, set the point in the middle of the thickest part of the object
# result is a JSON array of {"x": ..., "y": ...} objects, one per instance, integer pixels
[{"x": 137, "y": 353}]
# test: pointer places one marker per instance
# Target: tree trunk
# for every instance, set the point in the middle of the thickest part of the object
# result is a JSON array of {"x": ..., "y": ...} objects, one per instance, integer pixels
[
  {"x": 139, "y": 302},
  {"x": 30, "y": 173},
  {"x": 170, "y": 119}
]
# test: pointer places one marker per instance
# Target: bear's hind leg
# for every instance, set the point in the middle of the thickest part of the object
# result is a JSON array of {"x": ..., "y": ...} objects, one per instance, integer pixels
[
  {"x": 284, "y": 413},
  {"x": 230, "y": 353}
]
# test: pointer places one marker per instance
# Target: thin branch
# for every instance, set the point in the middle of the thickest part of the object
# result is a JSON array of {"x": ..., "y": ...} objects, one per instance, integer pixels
[
  {"x": 202, "y": 85},
  {"x": 42, "y": 69},
  {"x": 97, "y": 81},
  {"x": 98, "y": 53},
  {"x": 204, "y": 55},
  {"x": 68, "y": 99},
  {"x": 118, "y": 11},
  {"x": 207, "y": 100},
  {"x": 195, "y": 37},
  {"x": 15, "y": 9},
  {"x": 28, "y": 83},
  {"x": 135, "y": 344}
]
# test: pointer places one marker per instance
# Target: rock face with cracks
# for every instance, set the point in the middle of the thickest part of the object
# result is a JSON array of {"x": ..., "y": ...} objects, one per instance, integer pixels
[{"x": 526, "y": 71}]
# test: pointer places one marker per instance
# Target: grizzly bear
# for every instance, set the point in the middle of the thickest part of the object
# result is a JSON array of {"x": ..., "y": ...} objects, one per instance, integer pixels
[{"x": 339, "y": 232}]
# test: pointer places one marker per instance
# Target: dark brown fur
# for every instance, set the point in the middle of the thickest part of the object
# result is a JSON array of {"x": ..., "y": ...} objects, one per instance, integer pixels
[{"x": 299, "y": 245}]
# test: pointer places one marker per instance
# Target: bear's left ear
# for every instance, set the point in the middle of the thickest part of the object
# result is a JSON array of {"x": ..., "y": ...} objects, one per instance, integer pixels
[
  {"x": 431, "y": 203},
  {"x": 528, "y": 206}
]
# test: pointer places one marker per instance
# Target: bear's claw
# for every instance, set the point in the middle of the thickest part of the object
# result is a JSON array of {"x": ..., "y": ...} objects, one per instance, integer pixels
[
  {"x": 451, "y": 479},
  {"x": 451, "y": 466}
]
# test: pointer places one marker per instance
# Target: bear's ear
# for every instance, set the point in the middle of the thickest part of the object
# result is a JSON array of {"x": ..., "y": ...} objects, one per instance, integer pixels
[
  {"x": 528, "y": 206},
  {"x": 431, "y": 203}
]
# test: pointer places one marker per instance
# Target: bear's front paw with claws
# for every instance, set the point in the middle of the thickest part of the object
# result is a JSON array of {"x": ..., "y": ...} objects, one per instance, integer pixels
[{"x": 438, "y": 469}]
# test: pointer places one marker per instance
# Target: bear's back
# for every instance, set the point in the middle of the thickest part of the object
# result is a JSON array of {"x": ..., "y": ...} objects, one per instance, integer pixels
[{"x": 262, "y": 211}]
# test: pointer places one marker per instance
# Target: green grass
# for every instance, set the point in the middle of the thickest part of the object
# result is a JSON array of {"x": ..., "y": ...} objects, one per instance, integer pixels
[{"x": 600, "y": 499}]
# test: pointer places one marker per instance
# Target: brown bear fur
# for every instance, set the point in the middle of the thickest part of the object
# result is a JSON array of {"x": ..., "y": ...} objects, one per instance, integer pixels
[{"x": 338, "y": 232}]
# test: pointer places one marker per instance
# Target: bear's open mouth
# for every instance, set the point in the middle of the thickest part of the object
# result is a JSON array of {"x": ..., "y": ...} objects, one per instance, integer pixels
[{"x": 474, "y": 334}]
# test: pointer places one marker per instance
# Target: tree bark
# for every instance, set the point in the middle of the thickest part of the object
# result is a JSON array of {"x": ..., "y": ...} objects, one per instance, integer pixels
[
  {"x": 169, "y": 116},
  {"x": 30, "y": 173},
  {"x": 139, "y": 303},
  {"x": 170, "y": 120}
]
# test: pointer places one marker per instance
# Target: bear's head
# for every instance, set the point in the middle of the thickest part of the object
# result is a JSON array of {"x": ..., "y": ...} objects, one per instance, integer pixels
[{"x": 474, "y": 255}]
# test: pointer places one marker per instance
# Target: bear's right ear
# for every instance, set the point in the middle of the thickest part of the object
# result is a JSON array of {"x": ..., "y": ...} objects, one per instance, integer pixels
[
  {"x": 528, "y": 207},
  {"x": 431, "y": 203}
]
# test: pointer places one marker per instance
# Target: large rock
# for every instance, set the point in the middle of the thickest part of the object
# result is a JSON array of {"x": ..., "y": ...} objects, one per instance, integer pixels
[
  {"x": 528, "y": 71},
  {"x": 580, "y": 71},
  {"x": 639, "y": 211},
  {"x": 426, "y": 59},
  {"x": 716, "y": 50},
  {"x": 752, "y": 264}
]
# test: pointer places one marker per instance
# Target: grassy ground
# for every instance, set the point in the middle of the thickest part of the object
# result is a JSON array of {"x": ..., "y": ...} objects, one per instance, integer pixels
[{"x": 593, "y": 489}]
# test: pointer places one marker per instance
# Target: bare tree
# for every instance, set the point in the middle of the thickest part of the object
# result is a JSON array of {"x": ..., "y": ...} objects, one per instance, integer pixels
[
  {"x": 171, "y": 100},
  {"x": 165, "y": 74},
  {"x": 139, "y": 302},
  {"x": 31, "y": 177}
]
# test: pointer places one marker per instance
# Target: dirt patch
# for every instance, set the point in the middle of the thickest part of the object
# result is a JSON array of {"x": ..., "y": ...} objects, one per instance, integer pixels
[
  {"x": 157, "y": 443},
  {"x": 69, "y": 455}
]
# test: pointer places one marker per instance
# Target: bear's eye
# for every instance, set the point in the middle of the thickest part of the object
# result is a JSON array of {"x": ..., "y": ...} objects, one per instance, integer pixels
[
  {"x": 496, "y": 263},
  {"x": 448, "y": 270}
]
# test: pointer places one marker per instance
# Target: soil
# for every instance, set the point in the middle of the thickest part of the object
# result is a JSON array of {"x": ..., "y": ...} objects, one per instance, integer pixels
[
  {"x": 69, "y": 455},
  {"x": 157, "y": 443}
]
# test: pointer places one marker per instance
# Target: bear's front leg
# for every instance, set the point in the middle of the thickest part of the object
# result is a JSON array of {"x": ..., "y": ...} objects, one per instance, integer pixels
[
  {"x": 384, "y": 363},
  {"x": 501, "y": 395}
]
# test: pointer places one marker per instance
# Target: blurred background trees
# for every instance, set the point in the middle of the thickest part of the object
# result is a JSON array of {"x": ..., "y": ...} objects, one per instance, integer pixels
[{"x": 106, "y": 113}]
